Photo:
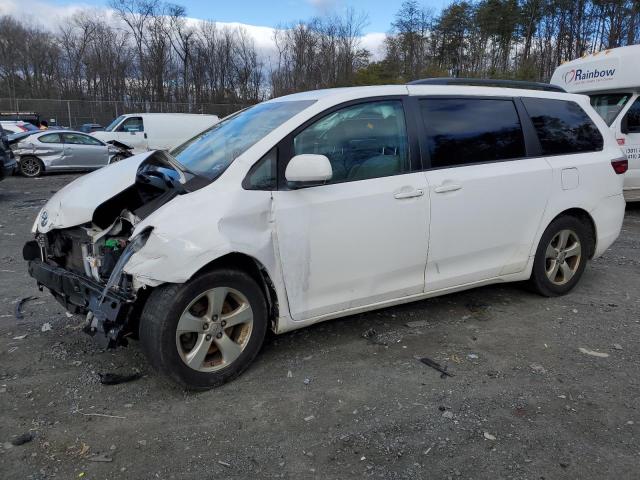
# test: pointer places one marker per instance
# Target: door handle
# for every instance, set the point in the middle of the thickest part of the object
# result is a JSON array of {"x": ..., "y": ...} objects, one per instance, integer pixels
[
  {"x": 447, "y": 187},
  {"x": 411, "y": 194}
]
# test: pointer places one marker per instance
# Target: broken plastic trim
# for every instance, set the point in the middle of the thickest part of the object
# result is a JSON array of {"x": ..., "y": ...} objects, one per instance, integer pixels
[
  {"x": 134, "y": 246},
  {"x": 104, "y": 316}
]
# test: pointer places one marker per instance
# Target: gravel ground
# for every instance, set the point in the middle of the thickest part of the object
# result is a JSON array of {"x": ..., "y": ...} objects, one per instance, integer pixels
[{"x": 347, "y": 398}]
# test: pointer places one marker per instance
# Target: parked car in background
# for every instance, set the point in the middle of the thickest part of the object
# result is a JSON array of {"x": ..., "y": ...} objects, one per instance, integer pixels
[
  {"x": 155, "y": 131},
  {"x": 17, "y": 126},
  {"x": 7, "y": 158},
  {"x": 320, "y": 205},
  {"x": 57, "y": 150},
  {"x": 90, "y": 127},
  {"x": 612, "y": 80}
]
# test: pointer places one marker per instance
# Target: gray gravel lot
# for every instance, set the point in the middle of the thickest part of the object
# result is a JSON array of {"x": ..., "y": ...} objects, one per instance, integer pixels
[{"x": 524, "y": 401}]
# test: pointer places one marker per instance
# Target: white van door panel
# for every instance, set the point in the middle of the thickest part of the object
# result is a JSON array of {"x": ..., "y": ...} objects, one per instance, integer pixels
[
  {"x": 352, "y": 244},
  {"x": 483, "y": 219},
  {"x": 631, "y": 146}
]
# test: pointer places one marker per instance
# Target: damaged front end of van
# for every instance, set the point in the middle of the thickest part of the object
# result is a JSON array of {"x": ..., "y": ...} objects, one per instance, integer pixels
[{"x": 87, "y": 233}]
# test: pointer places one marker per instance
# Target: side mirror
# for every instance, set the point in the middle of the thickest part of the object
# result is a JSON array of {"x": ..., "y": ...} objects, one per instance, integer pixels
[
  {"x": 308, "y": 169},
  {"x": 624, "y": 124}
]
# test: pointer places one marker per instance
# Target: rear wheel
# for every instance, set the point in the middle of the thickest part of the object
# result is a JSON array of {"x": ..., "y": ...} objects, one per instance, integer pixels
[
  {"x": 31, "y": 167},
  {"x": 206, "y": 332},
  {"x": 561, "y": 256}
]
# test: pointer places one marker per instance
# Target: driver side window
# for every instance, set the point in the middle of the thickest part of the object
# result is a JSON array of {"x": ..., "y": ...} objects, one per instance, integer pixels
[
  {"x": 363, "y": 141},
  {"x": 132, "y": 124}
]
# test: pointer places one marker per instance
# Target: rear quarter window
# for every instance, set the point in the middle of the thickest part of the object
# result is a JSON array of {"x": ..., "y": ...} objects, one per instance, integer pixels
[{"x": 563, "y": 127}]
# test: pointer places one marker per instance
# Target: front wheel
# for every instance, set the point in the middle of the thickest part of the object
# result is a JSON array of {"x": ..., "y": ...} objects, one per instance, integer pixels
[
  {"x": 206, "y": 332},
  {"x": 561, "y": 256}
]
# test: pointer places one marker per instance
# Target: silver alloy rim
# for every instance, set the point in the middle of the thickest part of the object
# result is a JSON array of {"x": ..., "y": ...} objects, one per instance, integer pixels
[
  {"x": 30, "y": 166},
  {"x": 563, "y": 257},
  {"x": 214, "y": 329}
]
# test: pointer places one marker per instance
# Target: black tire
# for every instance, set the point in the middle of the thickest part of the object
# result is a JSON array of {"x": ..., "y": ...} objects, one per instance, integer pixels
[
  {"x": 159, "y": 322},
  {"x": 31, "y": 167},
  {"x": 540, "y": 280}
]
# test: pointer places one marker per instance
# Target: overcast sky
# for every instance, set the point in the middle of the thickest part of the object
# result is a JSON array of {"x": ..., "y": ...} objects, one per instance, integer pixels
[{"x": 259, "y": 17}]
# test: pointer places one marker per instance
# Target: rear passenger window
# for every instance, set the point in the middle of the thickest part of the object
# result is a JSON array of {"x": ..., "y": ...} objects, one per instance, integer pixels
[
  {"x": 363, "y": 141},
  {"x": 562, "y": 126},
  {"x": 463, "y": 131},
  {"x": 50, "y": 138}
]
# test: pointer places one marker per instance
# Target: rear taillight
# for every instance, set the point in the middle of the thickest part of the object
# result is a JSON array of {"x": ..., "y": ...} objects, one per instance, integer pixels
[{"x": 620, "y": 165}]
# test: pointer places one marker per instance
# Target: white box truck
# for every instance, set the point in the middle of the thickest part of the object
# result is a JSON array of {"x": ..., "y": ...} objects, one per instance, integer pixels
[
  {"x": 155, "y": 131},
  {"x": 611, "y": 78}
]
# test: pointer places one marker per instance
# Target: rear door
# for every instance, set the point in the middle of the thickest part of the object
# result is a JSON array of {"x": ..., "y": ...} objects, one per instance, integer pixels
[
  {"x": 487, "y": 196},
  {"x": 49, "y": 148},
  {"x": 84, "y": 151},
  {"x": 361, "y": 238}
]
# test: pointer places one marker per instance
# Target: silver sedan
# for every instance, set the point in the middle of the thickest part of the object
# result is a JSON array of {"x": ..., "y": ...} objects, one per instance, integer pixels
[{"x": 58, "y": 150}]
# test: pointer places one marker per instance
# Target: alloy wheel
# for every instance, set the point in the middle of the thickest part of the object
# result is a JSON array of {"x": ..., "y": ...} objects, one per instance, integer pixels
[
  {"x": 563, "y": 257},
  {"x": 214, "y": 329},
  {"x": 30, "y": 167}
]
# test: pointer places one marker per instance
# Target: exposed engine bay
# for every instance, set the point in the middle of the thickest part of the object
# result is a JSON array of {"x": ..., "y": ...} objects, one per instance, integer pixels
[{"x": 83, "y": 265}]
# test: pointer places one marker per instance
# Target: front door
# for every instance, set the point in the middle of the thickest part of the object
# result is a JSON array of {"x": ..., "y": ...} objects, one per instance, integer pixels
[
  {"x": 84, "y": 151},
  {"x": 361, "y": 238},
  {"x": 131, "y": 132},
  {"x": 487, "y": 199}
]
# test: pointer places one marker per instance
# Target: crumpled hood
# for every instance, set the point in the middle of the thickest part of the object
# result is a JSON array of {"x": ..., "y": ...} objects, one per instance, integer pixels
[{"x": 75, "y": 203}]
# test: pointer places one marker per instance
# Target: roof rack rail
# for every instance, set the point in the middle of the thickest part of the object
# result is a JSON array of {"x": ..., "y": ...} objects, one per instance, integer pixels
[{"x": 489, "y": 82}]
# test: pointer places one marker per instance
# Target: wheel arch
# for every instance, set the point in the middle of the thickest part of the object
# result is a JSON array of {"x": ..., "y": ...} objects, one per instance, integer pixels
[
  {"x": 586, "y": 218},
  {"x": 256, "y": 270}
]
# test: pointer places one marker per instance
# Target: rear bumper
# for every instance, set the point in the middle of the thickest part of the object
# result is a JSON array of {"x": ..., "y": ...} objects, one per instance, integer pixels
[
  {"x": 608, "y": 217},
  {"x": 80, "y": 294}
]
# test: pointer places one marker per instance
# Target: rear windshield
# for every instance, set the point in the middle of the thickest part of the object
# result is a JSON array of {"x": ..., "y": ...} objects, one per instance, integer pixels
[
  {"x": 608, "y": 105},
  {"x": 212, "y": 151}
]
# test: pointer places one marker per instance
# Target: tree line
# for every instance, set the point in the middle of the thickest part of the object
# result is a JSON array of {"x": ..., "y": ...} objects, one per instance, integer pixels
[{"x": 151, "y": 52}]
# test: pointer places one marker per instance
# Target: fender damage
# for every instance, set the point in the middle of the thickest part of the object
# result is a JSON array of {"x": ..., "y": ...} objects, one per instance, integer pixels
[{"x": 138, "y": 230}]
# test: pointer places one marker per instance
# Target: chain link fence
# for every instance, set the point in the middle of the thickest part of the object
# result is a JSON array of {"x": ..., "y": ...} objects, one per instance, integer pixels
[{"x": 73, "y": 113}]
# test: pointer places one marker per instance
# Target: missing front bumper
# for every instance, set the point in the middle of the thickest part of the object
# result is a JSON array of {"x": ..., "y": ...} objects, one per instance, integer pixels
[{"x": 79, "y": 294}]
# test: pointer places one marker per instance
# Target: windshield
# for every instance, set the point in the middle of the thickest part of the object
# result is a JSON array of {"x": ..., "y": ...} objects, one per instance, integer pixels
[
  {"x": 212, "y": 151},
  {"x": 608, "y": 105},
  {"x": 113, "y": 124}
]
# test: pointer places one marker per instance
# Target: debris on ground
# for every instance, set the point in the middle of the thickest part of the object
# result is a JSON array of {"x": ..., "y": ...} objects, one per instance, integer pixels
[
  {"x": 488, "y": 436},
  {"x": 448, "y": 414},
  {"x": 373, "y": 337},
  {"x": 537, "y": 368},
  {"x": 309, "y": 418},
  {"x": 472, "y": 356},
  {"x": 224, "y": 464},
  {"x": 115, "y": 378},
  {"x": 46, "y": 327},
  {"x": 19, "y": 305},
  {"x": 417, "y": 324},
  {"x": 21, "y": 337},
  {"x": 436, "y": 366},
  {"x": 102, "y": 457},
  {"x": 22, "y": 439},
  {"x": 593, "y": 353},
  {"x": 617, "y": 346},
  {"x": 306, "y": 381}
]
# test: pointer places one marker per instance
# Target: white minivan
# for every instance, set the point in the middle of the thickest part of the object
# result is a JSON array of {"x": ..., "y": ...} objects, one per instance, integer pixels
[
  {"x": 611, "y": 78},
  {"x": 155, "y": 131},
  {"x": 324, "y": 204}
]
